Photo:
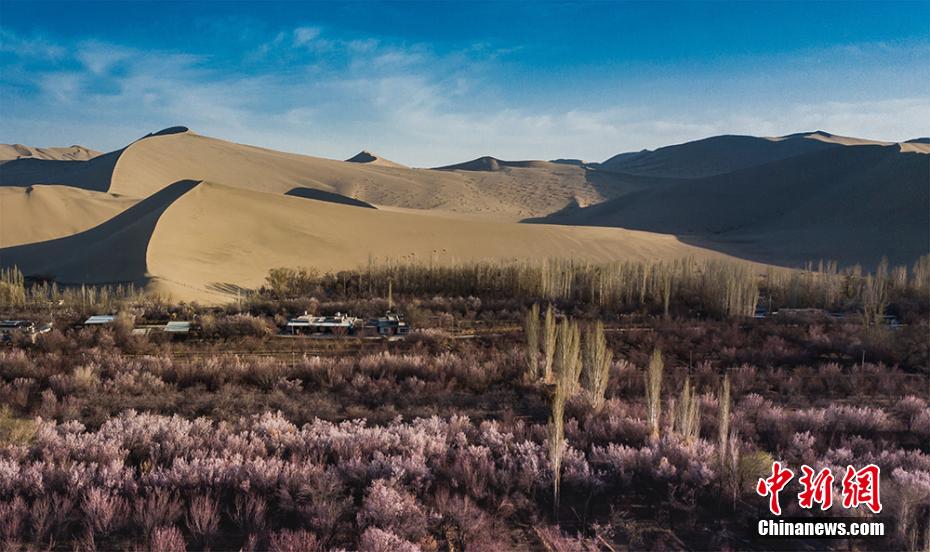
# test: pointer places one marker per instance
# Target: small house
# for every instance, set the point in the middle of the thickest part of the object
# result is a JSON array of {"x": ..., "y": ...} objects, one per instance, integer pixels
[
  {"x": 337, "y": 325},
  {"x": 11, "y": 328},
  {"x": 389, "y": 325},
  {"x": 178, "y": 327},
  {"x": 100, "y": 320}
]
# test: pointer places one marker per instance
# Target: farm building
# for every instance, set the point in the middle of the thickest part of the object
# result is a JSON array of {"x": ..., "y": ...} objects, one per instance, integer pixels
[
  {"x": 178, "y": 327},
  {"x": 338, "y": 324},
  {"x": 389, "y": 324},
  {"x": 10, "y": 328},
  {"x": 100, "y": 320}
]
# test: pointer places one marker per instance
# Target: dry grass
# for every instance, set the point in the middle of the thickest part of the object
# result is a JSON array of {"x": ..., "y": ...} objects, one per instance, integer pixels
[
  {"x": 597, "y": 361},
  {"x": 653, "y": 379}
]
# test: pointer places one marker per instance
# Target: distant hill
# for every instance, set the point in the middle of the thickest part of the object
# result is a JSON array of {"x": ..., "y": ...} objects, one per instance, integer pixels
[
  {"x": 492, "y": 164},
  {"x": 9, "y": 152},
  {"x": 716, "y": 155},
  {"x": 851, "y": 204}
]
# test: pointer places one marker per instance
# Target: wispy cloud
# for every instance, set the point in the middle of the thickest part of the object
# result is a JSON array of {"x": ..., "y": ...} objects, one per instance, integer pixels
[{"x": 312, "y": 90}]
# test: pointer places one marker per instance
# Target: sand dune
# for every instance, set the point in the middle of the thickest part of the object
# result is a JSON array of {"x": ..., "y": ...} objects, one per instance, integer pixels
[
  {"x": 723, "y": 154},
  {"x": 917, "y": 145},
  {"x": 141, "y": 214},
  {"x": 715, "y": 155},
  {"x": 492, "y": 164},
  {"x": 192, "y": 240},
  {"x": 367, "y": 157},
  {"x": 9, "y": 152},
  {"x": 94, "y": 174},
  {"x": 850, "y": 204},
  {"x": 111, "y": 252},
  {"x": 40, "y": 213},
  {"x": 148, "y": 165}
]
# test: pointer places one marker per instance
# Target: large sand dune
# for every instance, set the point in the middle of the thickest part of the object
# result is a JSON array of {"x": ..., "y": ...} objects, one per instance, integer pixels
[
  {"x": 724, "y": 154},
  {"x": 196, "y": 216},
  {"x": 850, "y": 204},
  {"x": 156, "y": 161},
  {"x": 197, "y": 241}
]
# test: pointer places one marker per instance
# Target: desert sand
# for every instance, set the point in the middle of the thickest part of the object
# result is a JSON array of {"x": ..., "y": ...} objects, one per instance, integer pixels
[
  {"x": 45, "y": 212},
  {"x": 196, "y": 217},
  {"x": 849, "y": 204},
  {"x": 192, "y": 240},
  {"x": 155, "y": 162},
  {"x": 9, "y": 152}
]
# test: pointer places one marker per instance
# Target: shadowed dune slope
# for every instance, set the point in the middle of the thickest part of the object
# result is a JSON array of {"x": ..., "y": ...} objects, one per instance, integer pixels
[
  {"x": 320, "y": 195},
  {"x": 716, "y": 155},
  {"x": 94, "y": 174},
  {"x": 723, "y": 154},
  {"x": 242, "y": 234},
  {"x": 40, "y": 213},
  {"x": 851, "y": 204},
  {"x": 111, "y": 252}
]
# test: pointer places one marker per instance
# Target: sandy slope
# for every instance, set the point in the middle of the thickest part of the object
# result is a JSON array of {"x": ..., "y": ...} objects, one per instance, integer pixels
[
  {"x": 191, "y": 240},
  {"x": 241, "y": 234},
  {"x": 111, "y": 252},
  {"x": 150, "y": 164},
  {"x": 41, "y": 212},
  {"x": 722, "y": 154},
  {"x": 850, "y": 204},
  {"x": 73, "y": 153}
]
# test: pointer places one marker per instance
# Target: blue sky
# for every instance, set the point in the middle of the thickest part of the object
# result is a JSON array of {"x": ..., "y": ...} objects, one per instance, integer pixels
[{"x": 434, "y": 83}]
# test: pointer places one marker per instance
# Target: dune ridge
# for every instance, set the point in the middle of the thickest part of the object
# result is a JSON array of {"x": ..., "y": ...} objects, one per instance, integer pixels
[
  {"x": 853, "y": 205},
  {"x": 161, "y": 158},
  {"x": 367, "y": 157},
  {"x": 10, "y": 152},
  {"x": 241, "y": 234}
]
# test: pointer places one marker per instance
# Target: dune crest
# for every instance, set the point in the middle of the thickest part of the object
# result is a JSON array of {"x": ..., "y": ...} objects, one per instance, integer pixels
[
  {"x": 9, "y": 152},
  {"x": 367, "y": 157},
  {"x": 492, "y": 164}
]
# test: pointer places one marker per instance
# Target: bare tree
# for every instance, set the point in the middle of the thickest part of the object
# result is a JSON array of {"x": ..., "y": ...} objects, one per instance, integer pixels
[
  {"x": 597, "y": 361},
  {"x": 549, "y": 338},
  {"x": 653, "y": 379},
  {"x": 531, "y": 329}
]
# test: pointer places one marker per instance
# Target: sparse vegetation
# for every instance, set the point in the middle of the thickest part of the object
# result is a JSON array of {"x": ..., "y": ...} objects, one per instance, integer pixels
[
  {"x": 653, "y": 385},
  {"x": 239, "y": 439},
  {"x": 597, "y": 361}
]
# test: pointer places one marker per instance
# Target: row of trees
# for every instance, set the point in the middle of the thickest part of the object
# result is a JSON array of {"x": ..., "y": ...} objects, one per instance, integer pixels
[
  {"x": 15, "y": 293},
  {"x": 720, "y": 288}
]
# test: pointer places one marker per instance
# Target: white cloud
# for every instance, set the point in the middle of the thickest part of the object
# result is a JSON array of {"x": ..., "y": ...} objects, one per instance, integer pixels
[
  {"x": 31, "y": 47},
  {"x": 305, "y": 35},
  {"x": 331, "y": 96}
]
